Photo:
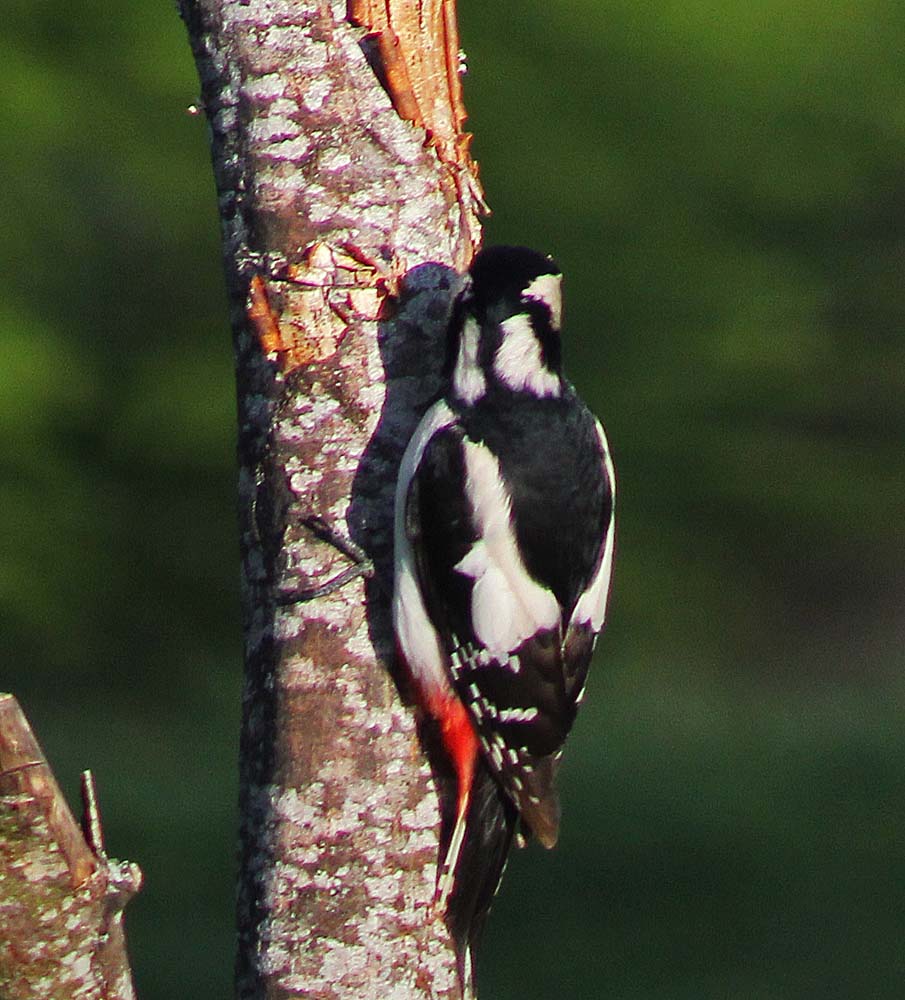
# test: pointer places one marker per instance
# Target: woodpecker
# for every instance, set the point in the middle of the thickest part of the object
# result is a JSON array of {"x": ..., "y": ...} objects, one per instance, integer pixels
[{"x": 504, "y": 532}]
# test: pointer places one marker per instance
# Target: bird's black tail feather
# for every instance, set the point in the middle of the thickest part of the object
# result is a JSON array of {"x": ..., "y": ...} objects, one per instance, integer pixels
[{"x": 492, "y": 820}]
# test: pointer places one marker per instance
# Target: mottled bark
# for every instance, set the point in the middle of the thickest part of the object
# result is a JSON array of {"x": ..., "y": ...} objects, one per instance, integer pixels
[
  {"x": 61, "y": 898},
  {"x": 348, "y": 202}
]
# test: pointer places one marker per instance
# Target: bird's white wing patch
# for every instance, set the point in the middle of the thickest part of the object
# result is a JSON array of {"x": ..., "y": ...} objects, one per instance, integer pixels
[
  {"x": 591, "y": 606},
  {"x": 414, "y": 629},
  {"x": 518, "y": 362},
  {"x": 507, "y": 605},
  {"x": 547, "y": 288}
]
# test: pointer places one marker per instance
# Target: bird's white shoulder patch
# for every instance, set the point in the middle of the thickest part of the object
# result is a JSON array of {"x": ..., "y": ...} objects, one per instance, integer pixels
[
  {"x": 591, "y": 606},
  {"x": 507, "y": 605},
  {"x": 414, "y": 630}
]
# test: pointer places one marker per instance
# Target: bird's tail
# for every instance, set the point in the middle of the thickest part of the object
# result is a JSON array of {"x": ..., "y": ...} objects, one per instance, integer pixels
[{"x": 489, "y": 828}]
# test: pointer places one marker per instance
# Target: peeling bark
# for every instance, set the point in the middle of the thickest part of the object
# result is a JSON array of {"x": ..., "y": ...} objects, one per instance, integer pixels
[
  {"x": 61, "y": 898},
  {"x": 344, "y": 226}
]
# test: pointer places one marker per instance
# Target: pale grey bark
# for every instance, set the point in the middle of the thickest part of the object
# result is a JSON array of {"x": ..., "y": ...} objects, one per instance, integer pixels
[
  {"x": 61, "y": 898},
  {"x": 342, "y": 227}
]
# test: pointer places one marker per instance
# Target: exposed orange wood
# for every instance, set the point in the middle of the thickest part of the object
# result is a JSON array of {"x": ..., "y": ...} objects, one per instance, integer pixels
[
  {"x": 262, "y": 318},
  {"x": 418, "y": 43},
  {"x": 320, "y": 299}
]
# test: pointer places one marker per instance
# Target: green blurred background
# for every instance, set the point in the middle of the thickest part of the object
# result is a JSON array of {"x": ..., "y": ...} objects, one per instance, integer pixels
[{"x": 724, "y": 185}]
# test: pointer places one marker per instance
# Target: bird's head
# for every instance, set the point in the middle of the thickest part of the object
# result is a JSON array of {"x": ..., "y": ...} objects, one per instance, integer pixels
[{"x": 505, "y": 327}]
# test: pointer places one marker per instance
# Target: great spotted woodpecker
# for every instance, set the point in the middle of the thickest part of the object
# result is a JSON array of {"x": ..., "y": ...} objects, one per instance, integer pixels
[{"x": 504, "y": 536}]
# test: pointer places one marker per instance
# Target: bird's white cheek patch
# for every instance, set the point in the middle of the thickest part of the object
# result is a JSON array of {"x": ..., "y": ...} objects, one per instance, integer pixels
[
  {"x": 468, "y": 379},
  {"x": 547, "y": 288},
  {"x": 507, "y": 605},
  {"x": 518, "y": 363}
]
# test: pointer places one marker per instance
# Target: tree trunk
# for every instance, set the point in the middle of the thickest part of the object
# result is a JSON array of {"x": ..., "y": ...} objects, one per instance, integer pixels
[
  {"x": 61, "y": 898},
  {"x": 348, "y": 202}
]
